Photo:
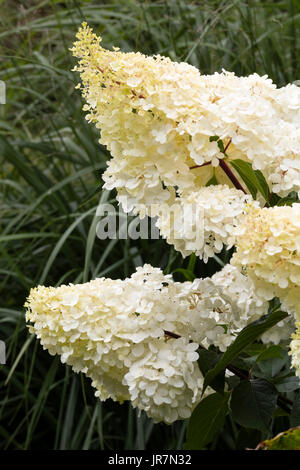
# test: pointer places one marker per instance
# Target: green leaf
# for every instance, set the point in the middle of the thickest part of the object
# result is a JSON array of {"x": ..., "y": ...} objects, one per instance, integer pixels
[
  {"x": 274, "y": 200},
  {"x": 207, "y": 360},
  {"x": 213, "y": 181},
  {"x": 192, "y": 262},
  {"x": 253, "y": 403},
  {"x": 280, "y": 412},
  {"x": 272, "y": 366},
  {"x": 207, "y": 419},
  {"x": 247, "y": 335},
  {"x": 221, "y": 146},
  {"x": 254, "y": 179},
  {"x": 288, "y": 384},
  {"x": 189, "y": 275},
  {"x": 271, "y": 352},
  {"x": 244, "y": 169},
  {"x": 260, "y": 352},
  {"x": 255, "y": 349},
  {"x": 263, "y": 188},
  {"x": 247, "y": 438},
  {"x": 288, "y": 440},
  {"x": 289, "y": 200}
]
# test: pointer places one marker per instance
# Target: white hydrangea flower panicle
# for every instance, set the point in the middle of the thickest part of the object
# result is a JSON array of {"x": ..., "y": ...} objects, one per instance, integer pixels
[
  {"x": 110, "y": 329},
  {"x": 159, "y": 119},
  {"x": 202, "y": 222}
]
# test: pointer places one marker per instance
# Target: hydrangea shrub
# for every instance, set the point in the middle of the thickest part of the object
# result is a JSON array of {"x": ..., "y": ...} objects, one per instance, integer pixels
[{"x": 229, "y": 146}]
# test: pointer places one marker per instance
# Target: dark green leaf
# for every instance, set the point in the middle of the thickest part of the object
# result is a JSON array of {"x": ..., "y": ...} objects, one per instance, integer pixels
[
  {"x": 207, "y": 360},
  {"x": 289, "y": 200},
  {"x": 273, "y": 199},
  {"x": 272, "y": 366},
  {"x": 263, "y": 188},
  {"x": 280, "y": 412},
  {"x": 244, "y": 169},
  {"x": 253, "y": 403},
  {"x": 254, "y": 179},
  {"x": 192, "y": 262},
  {"x": 288, "y": 384},
  {"x": 221, "y": 146},
  {"x": 262, "y": 353},
  {"x": 207, "y": 419},
  {"x": 271, "y": 352},
  {"x": 189, "y": 275},
  {"x": 213, "y": 181},
  {"x": 247, "y": 438},
  {"x": 255, "y": 349},
  {"x": 246, "y": 336}
]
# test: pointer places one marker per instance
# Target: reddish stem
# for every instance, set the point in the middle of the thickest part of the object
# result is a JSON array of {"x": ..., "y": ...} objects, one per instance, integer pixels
[
  {"x": 268, "y": 200},
  {"x": 199, "y": 166},
  {"x": 226, "y": 169},
  {"x": 231, "y": 176},
  {"x": 227, "y": 145}
]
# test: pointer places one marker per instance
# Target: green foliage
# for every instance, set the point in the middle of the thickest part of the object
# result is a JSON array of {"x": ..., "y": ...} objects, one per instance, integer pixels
[
  {"x": 244, "y": 338},
  {"x": 295, "y": 414},
  {"x": 255, "y": 394},
  {"x": 208, "y": 418},
  {"x": 288, "y": 440},
  {"x": 207, "y": 360},
  {"x": 50, "y": 188},
  {"x": 254, "y": 179},
  {"x": 253, "y": 403}
]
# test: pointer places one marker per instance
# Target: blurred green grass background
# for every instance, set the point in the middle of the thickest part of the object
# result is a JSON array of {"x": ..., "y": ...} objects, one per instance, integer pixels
[{"x": 50, "y": 187}]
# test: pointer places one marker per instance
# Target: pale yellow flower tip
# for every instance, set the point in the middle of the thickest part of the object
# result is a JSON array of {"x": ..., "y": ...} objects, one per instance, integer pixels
[{"x": 157, "y": 118}]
